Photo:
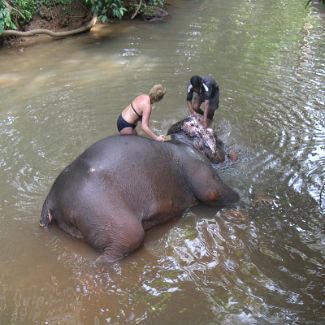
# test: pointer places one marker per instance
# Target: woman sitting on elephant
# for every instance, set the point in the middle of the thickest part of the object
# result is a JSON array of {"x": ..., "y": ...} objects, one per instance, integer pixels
[{"x": 140, "y": 110}]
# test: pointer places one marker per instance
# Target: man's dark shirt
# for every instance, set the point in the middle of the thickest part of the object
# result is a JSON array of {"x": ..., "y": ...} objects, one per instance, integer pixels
[{"x": 208, "y": 90}]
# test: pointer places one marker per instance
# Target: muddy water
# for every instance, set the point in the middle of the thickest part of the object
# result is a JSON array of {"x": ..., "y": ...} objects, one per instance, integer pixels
[{"x": 263, "y": 265}]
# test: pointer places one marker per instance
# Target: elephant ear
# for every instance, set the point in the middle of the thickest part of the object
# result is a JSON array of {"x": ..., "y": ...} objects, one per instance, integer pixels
[{"x": 176, "y": 128}]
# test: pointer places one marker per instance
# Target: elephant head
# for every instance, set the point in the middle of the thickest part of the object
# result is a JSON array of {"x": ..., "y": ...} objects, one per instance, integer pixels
[{"x": 191, "y": 132}]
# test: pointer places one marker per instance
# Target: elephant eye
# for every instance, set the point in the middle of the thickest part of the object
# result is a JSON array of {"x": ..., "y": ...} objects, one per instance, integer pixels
[{"x": 207, "y": 146}]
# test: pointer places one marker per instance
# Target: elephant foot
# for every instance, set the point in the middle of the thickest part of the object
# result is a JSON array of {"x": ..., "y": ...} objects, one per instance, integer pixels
[
  {"x": 105, "y": 259},
  {"x": 111, "y": 255},
  {"x": 127, "y": 236}
]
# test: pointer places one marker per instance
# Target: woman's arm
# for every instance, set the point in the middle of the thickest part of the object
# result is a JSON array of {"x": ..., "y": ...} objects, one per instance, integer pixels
[{"x": 145, "y": 124}]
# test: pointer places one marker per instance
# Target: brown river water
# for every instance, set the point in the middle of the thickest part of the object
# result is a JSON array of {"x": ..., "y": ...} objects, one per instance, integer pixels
[{"x": 262, "y": 265}]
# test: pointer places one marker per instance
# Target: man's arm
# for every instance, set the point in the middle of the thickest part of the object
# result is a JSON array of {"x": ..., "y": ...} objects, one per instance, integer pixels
[
  {"x": 190, "y": 107},
  {"x": 205, "y": 115},
  {"x": 207, "y": 90},
  {"x": 189, "y": 98}
]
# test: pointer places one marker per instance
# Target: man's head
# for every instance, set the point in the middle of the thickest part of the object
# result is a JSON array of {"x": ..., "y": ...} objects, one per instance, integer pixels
[
  {"x": 157, "y": 93},
  {"x": 196, "y": 82}
]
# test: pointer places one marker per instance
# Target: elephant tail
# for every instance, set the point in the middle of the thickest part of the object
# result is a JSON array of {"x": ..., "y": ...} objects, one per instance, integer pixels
[{"x": 46, "y": 214}]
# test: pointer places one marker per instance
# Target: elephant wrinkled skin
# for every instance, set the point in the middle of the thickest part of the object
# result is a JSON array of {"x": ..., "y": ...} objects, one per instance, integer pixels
[{"x": 123, "y": 185}]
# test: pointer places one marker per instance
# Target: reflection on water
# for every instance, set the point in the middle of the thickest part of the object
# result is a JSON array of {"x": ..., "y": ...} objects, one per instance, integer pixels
[{"x": 260, "y": 262}]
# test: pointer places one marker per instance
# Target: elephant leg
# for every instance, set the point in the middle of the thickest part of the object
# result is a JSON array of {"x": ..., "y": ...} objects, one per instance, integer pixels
[
  {"x": 204, "y": 185},
  {"x": 73, "y": 231},
  {"x": 208, "y": 188},
  {"x": 126, "y": 234}
]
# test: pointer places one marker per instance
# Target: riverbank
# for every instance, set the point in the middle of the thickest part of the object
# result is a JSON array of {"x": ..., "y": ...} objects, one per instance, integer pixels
[
  {"x": 74, "y": 18},
  {"x": 208, "y": 267}
]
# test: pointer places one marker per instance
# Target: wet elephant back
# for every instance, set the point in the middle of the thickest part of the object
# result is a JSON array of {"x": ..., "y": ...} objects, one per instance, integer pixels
[{"x": 137, "y": 171}]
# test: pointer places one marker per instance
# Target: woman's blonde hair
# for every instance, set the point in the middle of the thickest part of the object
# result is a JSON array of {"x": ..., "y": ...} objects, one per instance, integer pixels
[{"x": 156, "y": 93}]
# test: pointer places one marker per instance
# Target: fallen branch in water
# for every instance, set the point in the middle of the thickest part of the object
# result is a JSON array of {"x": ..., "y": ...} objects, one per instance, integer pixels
[
  {"x": 137, "y": 10},
  {"x": 34, "y": 32}
]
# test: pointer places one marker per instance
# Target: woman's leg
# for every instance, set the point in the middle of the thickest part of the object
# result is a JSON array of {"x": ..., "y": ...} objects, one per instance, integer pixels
[{"x": 128, "y": 130}]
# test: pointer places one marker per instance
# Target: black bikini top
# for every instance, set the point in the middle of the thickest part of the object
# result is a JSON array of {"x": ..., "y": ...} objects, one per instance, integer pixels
[{"x": 140, "y": 116}]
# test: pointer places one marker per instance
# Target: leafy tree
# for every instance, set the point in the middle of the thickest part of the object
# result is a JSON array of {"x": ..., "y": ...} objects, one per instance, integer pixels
[
  {"x": 16, "y": 13},
  {"x": 103, "y": 8},
  {"x": 5, "y": 17}
]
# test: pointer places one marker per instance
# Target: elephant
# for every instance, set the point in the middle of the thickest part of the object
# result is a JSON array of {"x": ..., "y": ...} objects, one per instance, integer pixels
[{"x": 123, "y": 185}]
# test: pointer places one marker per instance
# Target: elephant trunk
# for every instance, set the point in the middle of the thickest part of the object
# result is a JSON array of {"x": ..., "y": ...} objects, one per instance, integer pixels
[{"x": 227, "y": 195}]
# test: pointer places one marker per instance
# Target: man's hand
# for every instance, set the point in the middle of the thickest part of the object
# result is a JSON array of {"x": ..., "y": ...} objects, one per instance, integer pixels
[{"x": 190, "y": 108}]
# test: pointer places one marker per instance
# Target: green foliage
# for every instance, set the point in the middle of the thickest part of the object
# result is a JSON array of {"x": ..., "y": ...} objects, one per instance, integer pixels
[
  {"x": 5, "y": 18},
  {"x": 156, "y": 3},
  {"x": 103, "y": 8},
  {"x": 24, "y": 12},
  {"x": 118, "y": 9},
  {"x": 16, "y": 12},
  {"x": 53, "y": 3},
  {"x": 149, "y": 8}
]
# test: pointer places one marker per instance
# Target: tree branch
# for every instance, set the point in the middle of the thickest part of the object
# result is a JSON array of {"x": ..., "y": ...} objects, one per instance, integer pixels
[
  {"x": 137, "y": 10},
  {"x": 34, "y": 32},
  {"x": 10, "y": 8}
]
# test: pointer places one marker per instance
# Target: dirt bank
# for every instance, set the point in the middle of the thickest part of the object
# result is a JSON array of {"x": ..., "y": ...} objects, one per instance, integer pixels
[{"x": 61, "y": 21}]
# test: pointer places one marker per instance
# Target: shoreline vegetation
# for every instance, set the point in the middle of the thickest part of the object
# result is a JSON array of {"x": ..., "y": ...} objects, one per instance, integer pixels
[{"x": 22, "y": 19}]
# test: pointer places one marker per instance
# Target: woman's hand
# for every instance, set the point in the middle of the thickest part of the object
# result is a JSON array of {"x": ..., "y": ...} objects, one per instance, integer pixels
[{"x": 160, "y": 138}]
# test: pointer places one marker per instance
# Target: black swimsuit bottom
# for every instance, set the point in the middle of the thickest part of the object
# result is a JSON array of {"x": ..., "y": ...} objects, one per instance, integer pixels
[{"x": 122, "y": 124}]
